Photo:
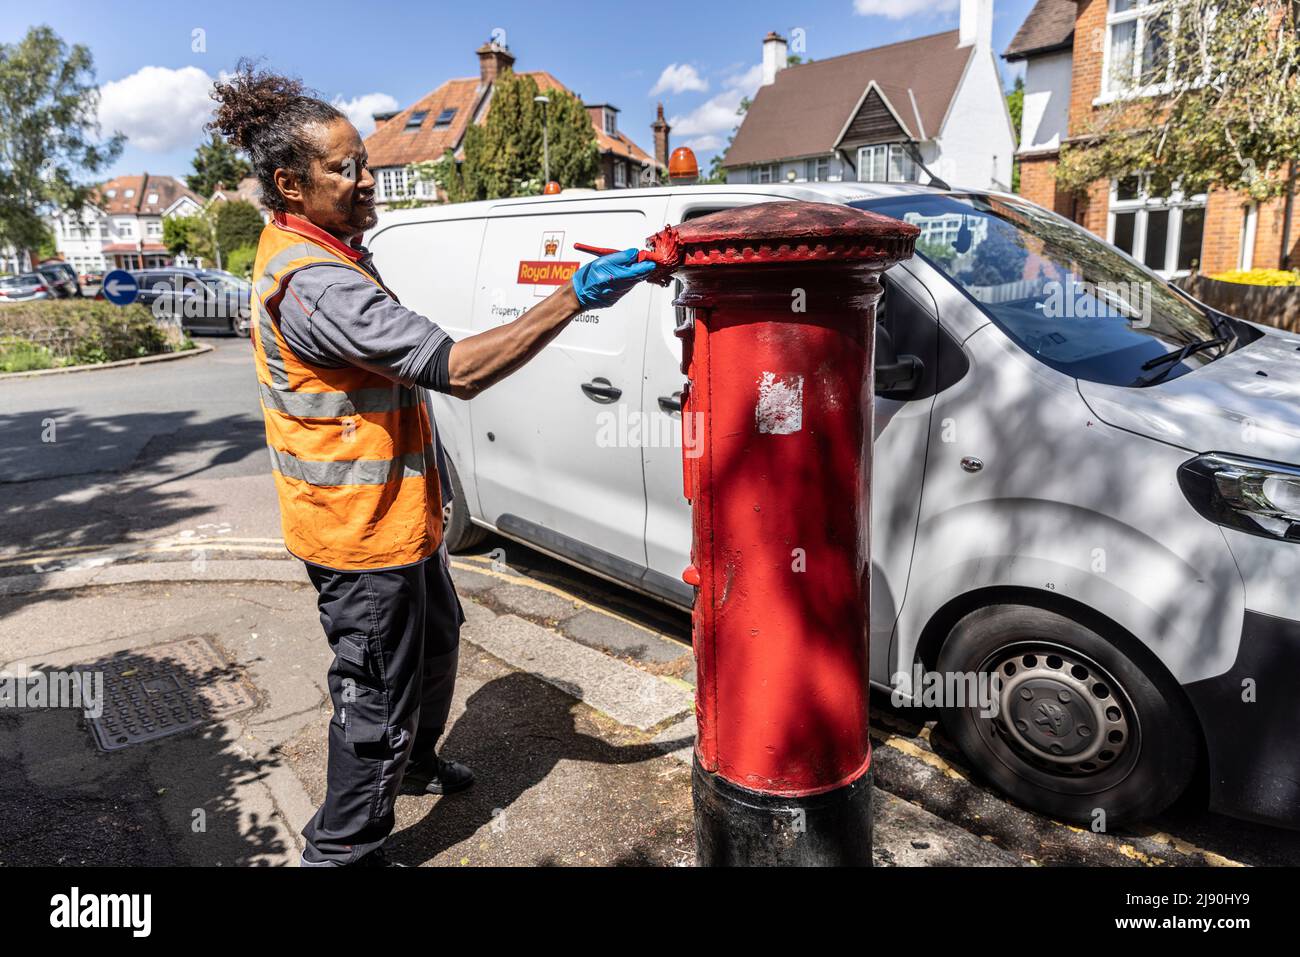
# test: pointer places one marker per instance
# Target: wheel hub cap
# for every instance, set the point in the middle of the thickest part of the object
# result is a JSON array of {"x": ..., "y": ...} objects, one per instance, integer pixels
[{"x": 1061, "y": 709}]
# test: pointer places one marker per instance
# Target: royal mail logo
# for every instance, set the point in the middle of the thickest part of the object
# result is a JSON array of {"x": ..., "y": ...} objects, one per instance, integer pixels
[{"x": 545, "y": 273}]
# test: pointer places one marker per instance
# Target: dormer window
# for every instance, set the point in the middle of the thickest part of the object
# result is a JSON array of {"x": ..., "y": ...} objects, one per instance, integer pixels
[
  {"x": 611, "y": 122},
  {"x": 416, "y": 120},
  {"x": 128, "y": 194},
  {"x": 153, "y": 199},
  {"x": 111, "y": 193},
  {"x": 444, "y": 119}
]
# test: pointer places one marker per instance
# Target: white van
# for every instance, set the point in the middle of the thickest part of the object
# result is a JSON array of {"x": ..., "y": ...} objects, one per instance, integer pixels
[{"x": 1085, "y": 481}]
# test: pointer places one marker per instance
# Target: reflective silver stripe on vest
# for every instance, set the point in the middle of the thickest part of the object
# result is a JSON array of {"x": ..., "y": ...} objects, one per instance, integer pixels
[
  {"x": 356, "y": 472},
  {"x": 266, "y": 284},
  {"x": 333, "y": 405}
]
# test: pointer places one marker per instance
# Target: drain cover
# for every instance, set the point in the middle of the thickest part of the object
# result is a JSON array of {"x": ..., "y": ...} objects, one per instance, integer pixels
[{"x": 164, "y": 690}]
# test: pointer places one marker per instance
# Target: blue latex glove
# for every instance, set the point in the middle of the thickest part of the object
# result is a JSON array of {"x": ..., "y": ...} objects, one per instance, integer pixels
[{"x": 604, "y": 281}]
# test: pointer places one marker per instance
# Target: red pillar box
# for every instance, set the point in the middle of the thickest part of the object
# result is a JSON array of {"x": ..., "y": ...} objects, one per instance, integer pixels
[{"x": 778, "y": 341}]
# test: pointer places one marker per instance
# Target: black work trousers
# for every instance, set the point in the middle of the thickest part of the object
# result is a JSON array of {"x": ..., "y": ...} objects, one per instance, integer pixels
[{"x": 395, "y": 637}]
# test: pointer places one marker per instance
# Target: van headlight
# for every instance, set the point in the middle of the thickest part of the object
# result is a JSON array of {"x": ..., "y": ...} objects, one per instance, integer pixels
[{"x": 1262, "y": 498}]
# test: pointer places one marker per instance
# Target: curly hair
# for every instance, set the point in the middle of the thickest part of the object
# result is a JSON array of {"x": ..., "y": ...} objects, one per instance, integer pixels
[{"x": 269, "y": 117}]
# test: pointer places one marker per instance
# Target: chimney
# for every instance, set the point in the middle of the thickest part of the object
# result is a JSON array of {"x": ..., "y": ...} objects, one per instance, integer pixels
[
  {"x": 382, "y": 118},
  {"x": 775, "y": 57},
  {"x": 492, "y": 59},
  {"x": 976, "y": 25},
  {"x": 661, "y": 130}
]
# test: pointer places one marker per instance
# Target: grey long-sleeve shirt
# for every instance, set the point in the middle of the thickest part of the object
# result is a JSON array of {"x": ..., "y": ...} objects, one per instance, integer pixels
[{"x": 332, "y": 317}]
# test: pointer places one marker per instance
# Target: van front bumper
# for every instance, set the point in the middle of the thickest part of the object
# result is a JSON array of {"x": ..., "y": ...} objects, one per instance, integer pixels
[{"x": 1250, "y": 717}]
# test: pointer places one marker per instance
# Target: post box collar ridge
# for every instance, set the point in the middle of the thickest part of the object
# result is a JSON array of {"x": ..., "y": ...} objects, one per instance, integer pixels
[{"x": 793, "y": 232}]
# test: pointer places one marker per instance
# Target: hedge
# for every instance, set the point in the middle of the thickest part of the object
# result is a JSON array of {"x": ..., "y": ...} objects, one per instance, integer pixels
[{"x": 61, "y": 332}]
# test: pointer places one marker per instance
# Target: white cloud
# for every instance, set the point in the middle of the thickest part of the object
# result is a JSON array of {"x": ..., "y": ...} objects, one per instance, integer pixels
[
  {"x": 679, "y": 78},
  {"x": 710, "y": 142},
  {"x": 361, "y": 109},
  {"x": 715, "y": 118},
  {"x": 159, "y": 109},
  {"x": 901, "y": 9}
]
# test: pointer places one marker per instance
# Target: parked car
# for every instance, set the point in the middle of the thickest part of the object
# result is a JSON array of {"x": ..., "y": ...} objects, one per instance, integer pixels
[
  {"x": 61, "y": 278},
  {"x": 27, "y": 287},
  {"x": 92, "y": 278},
  {"x": 202, "y": 300},
  {"x": 1091, "y": 487}
]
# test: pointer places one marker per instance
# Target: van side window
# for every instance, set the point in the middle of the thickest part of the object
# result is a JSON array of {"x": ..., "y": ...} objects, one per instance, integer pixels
[{"x": 906, "y": 326}]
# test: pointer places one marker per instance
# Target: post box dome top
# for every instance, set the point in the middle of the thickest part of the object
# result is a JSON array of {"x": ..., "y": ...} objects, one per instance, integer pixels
[{"x": 794, "y": 232}]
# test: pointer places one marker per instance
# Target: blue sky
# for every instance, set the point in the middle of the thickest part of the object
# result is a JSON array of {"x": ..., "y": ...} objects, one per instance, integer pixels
[{"x": 698, "y": 58}]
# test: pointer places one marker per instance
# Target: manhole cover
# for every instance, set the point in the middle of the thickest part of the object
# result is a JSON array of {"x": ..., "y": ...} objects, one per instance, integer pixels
[{"x": 164, "y": 690}]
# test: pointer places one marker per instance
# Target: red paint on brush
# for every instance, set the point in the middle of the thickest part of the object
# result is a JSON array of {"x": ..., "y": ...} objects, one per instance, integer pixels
[{"x": 663, "y": 249}]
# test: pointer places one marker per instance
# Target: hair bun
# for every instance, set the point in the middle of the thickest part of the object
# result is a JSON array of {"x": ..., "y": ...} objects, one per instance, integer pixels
[{"x": 250, "y": 100}]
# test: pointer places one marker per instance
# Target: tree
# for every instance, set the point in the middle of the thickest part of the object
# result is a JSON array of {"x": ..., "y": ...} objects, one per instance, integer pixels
[
  {"x": 48, "y": 133},
  {"x": 1016, "y": 107},
  {"x": 716, "y": 173},
  {"x": 503, "y": 157},
  {"x": 190, "y": 235},
  {"x": 1214, "y": 103},
  {"x": 216, "y": 163},
  {"x": 238, "y": 223}
]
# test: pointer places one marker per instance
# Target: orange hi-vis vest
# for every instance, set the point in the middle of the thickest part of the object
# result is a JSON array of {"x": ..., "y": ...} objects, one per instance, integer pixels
[{"x": 352, "y": 451}]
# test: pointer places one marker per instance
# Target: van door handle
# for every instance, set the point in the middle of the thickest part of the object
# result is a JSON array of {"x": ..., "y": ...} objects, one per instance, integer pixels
[
  {"x": 671, "y": 403},
  {"x": 600, "y": 390}
]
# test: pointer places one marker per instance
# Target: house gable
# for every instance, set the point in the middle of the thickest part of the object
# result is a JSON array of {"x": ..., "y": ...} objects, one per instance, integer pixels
[
  {"x": 809, "y": 109},
  {"x": 875, "y": 121}
]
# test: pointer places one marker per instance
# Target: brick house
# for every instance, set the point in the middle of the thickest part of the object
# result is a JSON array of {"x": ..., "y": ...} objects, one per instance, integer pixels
[
  {"x": 437, "y": 122},
  {"x": 871, "y": 115},
  {"x": 1077, "y": 54},
  {"x": 121, "y": 226}
]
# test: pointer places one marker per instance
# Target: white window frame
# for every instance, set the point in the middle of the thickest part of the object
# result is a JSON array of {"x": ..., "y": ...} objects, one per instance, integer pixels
[
  {"x": 1141, "y": 12},
  {"x": 392, "y": 183},
  {"x": 611, "y": 122},
  {"x": 767, "y": 173},
  {"x": 153, "y": 229},
  {"x": 620, "y": 174},
  {"x": 125, "y": 228},
  {"x": 817, "y": 169},
  {"x": 1142, "y": 206},
  {"x": 885, "y": 153}
]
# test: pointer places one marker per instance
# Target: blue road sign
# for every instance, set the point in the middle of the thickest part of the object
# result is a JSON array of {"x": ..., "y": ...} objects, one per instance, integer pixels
[{"x": 120, "y": 287}]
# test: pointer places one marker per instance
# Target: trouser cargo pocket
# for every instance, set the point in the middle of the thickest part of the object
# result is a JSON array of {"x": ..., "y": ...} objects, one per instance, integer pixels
[{"x": 361, "y": 703}]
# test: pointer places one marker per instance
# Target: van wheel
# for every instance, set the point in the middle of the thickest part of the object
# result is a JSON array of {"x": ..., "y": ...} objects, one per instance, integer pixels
[
  {"x": 458, "y": 532},
  {"x": 241, "y": 326},
  {"x": 1079, "y": 727}
]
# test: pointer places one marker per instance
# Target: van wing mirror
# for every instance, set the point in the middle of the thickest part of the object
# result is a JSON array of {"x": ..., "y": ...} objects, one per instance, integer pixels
[{"x": 901, "y": 376}]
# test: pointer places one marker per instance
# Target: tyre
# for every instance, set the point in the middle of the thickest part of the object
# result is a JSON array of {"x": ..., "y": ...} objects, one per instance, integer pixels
[
  {"x": 458, "y": 531},
  {"x": 1080, "y": 726},
  {"x": 241, "y": 325}
]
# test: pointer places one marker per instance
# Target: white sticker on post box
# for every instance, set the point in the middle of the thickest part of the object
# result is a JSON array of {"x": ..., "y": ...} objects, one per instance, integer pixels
[{"x": 780, "y": 404}]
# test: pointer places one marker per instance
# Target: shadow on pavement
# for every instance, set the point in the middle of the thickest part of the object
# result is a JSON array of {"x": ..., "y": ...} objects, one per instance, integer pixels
[{"x": 513, "y": 733}]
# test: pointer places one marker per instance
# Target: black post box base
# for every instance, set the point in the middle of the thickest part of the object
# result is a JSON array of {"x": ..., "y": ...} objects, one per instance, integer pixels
[{"x": 736, "y": 827}]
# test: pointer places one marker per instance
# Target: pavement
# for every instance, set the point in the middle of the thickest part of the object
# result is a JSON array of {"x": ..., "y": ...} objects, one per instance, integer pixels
[{"x": 150, "y": 525}]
